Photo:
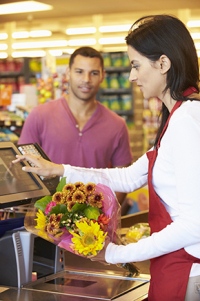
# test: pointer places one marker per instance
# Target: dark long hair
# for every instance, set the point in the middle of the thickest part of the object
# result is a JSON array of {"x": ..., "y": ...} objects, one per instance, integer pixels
[{"x": 155, "y": 35}]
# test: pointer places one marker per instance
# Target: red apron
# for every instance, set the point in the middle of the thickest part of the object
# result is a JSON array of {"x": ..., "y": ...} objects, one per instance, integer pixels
[{"x": 170, "y": 272}]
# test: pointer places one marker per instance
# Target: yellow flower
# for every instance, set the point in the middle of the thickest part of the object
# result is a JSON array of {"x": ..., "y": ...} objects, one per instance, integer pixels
[
  {"x": 41, "y": 220},
  {"x": 90, "y": 238},
  {"x": 80, "y": 186},
  {"x": 90, "y": 188},
  {"x": 70, "y": 205},
  {"x": 41, "y": 225},
  {"x": 68, "y": 188},
  {"x": 78, "y": 196},
  {"x": 58, "y": 197},
  {"x": 96, "y": 199},
  {"x": 45, "y": 236},
  {"x": 53, "y": 229}
]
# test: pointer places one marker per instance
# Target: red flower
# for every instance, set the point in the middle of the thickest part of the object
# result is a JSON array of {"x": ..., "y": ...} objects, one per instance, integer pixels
[{"x": 103, "y": 219}]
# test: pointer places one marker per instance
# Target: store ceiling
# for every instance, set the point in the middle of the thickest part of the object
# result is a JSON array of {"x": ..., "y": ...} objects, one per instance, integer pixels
[
  {"x": 79, "y": 8},
  {"x": 85, "y": 13}
]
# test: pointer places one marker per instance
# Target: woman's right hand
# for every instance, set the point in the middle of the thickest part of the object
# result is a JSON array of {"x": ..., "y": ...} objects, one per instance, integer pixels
[{"x": 40, "y": 166}]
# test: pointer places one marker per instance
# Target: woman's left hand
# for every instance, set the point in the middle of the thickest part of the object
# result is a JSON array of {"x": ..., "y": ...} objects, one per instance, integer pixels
[{"x": 101, "y": 255}]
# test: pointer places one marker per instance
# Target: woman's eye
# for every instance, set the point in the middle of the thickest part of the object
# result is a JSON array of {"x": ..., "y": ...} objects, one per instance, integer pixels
[{"x": 135, "y": 67}]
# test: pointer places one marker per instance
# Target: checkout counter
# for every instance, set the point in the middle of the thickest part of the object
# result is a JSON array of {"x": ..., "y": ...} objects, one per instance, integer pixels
[
  {"x": 65, "y": 276},
  {"x": 33, "y": 269}
]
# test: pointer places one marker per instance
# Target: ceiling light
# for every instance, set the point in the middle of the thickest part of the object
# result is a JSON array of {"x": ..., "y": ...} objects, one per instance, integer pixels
[
  {"x": 57, "y": 52},
  {"x": 20, "y": 35},
  {"x": 81, "y": 30},
  {"x": 35, "y": 53},
  {"x": 115, "y": 28},
  {"x": 195, "y": 35},
  {"x": 3, "y": 55},
  {"x": 117, "y": 40},
  {"x": 109, "y": 48},
  {"x": 81, "y": 42},
  {"x": 197, "y": 46},
  {"x": 193, "y": 23},
  {"x": 40, "y": 33},
  {"x": 31, "y": 34},
  {"x": 3, "y": 36},
  {"x": 3, "y": 46},
  {"x": 23, "y": 7},
  {"x": 69, "y": 50},
  {"x": 42, "y": 44}
]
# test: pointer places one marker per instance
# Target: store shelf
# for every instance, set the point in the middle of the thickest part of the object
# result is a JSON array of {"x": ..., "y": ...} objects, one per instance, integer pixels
[
  {"x": 116, "y": 91},
  {"x": 15, "y": 73},
  {"x": 10, "y": 126},
  {"x": 18, "y": 72},
  {"x": 118, "y": 69}
]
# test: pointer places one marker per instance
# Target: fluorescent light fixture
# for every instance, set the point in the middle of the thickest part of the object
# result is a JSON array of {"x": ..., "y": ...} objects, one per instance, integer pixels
[
  {"x": 81, "y": 42},
  {"x": 197, "y": 46},
  {"x": 23, "y": 7},
  {"x": 31, "y": 34},
  {"x": 20, "y": 35},
  {"x": 69, "y": 50},
  {"x": 115, "y": 28},
  {"x": 193, "y": 23},
  {"x": 3, "y": 46},
  {"x": 3, "y": 36},
  {"x": 57, "y": 52},
  {"x": 3, "y": 55},
  {"x": 42, "y": 44},
  {"x": 195, "y": 35},
  {"x": 40, "y": 33},
  {"x": 35, "y": 53},
  {"x": 107, "y": 41},
  {"x": 81, "y": 30}
]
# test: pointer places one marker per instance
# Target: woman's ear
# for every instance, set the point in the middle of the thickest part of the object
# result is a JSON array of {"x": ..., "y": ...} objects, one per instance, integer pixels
[{"x": 165, "y": 64}]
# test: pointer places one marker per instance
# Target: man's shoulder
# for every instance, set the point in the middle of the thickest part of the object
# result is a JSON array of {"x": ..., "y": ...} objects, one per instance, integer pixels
[{"x": 47, "y": 106}]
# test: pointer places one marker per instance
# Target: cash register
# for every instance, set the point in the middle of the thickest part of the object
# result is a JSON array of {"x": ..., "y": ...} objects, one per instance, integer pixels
[
  {"x": 20, "y": 251},
  {"x": 60, "y": 275}
]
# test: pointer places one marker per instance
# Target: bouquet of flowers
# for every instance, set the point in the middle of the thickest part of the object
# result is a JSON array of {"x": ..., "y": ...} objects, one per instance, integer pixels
[{"x": 77, "y": 217}]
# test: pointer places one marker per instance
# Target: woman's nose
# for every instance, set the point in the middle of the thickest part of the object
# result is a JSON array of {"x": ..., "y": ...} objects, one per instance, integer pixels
[{"x": 132, "y": 76}]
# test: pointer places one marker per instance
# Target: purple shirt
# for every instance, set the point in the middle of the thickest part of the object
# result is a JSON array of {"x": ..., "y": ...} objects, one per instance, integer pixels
[{"x": 103, "y": 142}]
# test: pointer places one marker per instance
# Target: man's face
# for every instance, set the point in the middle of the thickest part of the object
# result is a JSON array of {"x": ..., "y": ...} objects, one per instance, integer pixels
[{"x": 85, "y": 77}]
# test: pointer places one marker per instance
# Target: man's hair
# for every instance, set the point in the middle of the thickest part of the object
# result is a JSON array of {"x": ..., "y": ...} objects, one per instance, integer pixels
[{"x": 87, "y": 52}]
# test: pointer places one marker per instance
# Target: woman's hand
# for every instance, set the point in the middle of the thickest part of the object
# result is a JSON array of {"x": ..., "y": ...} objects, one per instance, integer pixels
[
  {"x": 40, "y": 166},
  {"x": 101, "y": 255}
]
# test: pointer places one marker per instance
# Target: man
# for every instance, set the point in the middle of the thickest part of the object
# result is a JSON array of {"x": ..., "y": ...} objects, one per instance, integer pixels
[{"x": 77, "y": 129}]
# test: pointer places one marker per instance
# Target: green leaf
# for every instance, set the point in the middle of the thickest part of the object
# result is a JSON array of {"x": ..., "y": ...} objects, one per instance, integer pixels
[
  {"x": 92, "y": 212},
  {"x": 67, "y": 215},
  {"x": 61, "y": 184},
  {"x": 42, "y": 203},
  {"x": 78, "y": 207},
  {"x": 60, "y": 208}
]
